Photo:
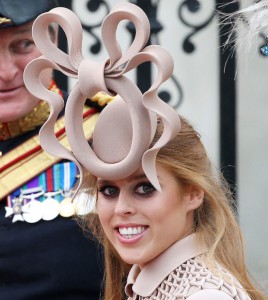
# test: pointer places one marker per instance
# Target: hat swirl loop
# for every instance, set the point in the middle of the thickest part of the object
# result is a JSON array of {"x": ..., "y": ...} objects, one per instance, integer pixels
[{"x": 136, "y": 113}]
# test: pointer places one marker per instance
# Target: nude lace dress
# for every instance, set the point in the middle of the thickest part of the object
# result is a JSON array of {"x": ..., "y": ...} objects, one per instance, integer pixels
[{"x": 181, "y": 273}]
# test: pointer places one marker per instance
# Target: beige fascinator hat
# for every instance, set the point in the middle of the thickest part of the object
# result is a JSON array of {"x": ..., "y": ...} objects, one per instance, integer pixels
[{"x": 126, "y": 127}]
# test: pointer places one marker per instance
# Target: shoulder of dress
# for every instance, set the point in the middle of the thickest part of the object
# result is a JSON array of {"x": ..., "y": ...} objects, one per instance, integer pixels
[
  {"x": 193, "y": 280},
  {"x": 209, "y": 294}
]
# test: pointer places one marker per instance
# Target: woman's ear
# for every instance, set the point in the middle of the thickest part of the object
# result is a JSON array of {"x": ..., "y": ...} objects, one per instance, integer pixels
[{"x": 195, "y": 197}]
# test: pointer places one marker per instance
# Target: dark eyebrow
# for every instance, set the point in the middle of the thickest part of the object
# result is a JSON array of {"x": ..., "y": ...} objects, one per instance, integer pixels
[
  {"x": 139, "y": 176},
  {"x": 103, "y": 182},
  {"x": 109, "y": 182}
]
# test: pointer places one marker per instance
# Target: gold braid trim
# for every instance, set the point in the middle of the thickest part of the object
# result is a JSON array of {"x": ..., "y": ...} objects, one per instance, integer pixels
[
  {"x": 5, "y": 20},
  {"x": 35, "y": 118},
  {"x": 102, "y": 99},
  {"x": 32, "y": 165}
]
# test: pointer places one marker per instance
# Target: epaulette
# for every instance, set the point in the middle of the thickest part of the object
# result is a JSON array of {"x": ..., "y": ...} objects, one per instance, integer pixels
[
  {"x": 29, "y": 159},
  {"x": 99, "y": 101}
]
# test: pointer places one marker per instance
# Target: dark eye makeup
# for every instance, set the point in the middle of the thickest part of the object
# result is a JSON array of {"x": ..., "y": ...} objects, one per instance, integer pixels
[
  {"x": 144, "y": 188},
  {"x": 108, "y": 190}
]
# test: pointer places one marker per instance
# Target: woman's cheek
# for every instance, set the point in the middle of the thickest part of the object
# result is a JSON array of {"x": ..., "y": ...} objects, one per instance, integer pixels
[{"x": 104, "y": 210}]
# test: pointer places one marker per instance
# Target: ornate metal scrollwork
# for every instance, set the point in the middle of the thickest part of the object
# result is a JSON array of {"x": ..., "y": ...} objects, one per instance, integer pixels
[
  {"x": 193, "y": 6},
  {"x": 94, "y": 7},
  {"x": 99, "y": 9},
  {"x": 144, "y": 72}
]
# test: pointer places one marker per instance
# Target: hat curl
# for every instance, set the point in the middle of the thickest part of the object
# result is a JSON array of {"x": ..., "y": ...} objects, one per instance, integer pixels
[{"x": 133, "y": 147}]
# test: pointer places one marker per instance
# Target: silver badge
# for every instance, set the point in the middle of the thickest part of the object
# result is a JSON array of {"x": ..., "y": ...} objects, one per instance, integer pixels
[
  {"x": 51, "y": 207},
  {"x": 32, "y": 211}
]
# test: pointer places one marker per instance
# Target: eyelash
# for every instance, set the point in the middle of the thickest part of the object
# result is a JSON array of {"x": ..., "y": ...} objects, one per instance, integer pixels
[
  {"x": 103, "y": 188},
  {"x": 143, "y": 185}
]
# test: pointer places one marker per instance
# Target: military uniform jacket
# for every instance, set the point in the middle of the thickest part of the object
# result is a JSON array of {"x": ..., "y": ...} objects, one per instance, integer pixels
[{"x": 48, "y": 259}]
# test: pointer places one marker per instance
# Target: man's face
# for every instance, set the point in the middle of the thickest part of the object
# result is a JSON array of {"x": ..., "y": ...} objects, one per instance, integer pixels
[{"x": 17, "y": 49}]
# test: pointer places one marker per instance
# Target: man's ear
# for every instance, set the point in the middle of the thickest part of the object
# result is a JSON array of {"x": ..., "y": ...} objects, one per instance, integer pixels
[{"x": 195, "y": 197}]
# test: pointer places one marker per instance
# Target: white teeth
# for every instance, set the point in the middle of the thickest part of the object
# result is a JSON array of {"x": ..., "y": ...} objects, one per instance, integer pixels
[{"x": 129, "y": 232}]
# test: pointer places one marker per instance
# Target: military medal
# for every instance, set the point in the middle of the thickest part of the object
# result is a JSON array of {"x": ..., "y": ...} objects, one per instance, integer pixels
[
  {"x": 45, "y": 197},
  {"x": 67, "y": 208},
  {"x": 51, "y": 207},
  {"x": 32, "y": 210},
  {"x": 15, "y": 209}
]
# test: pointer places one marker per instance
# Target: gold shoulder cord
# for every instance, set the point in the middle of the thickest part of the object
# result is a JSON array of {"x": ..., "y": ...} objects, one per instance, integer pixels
[
  {"x": 32, "y": 165},
  {"x": 35, "y": 118},
  {"x": 5, "y": 20}
]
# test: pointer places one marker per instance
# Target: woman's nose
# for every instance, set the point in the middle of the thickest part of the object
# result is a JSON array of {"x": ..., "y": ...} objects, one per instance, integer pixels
[{"x": 124, "y": 204}]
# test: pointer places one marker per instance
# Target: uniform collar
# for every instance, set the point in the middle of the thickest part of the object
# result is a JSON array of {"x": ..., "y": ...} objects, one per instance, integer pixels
[
  {"x": 34, "y": 119},
  {"x": 144, "y": 282}
]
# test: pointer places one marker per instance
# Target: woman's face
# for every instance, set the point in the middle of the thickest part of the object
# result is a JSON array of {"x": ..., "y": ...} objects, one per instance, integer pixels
[{"x": 141, "y": 222}]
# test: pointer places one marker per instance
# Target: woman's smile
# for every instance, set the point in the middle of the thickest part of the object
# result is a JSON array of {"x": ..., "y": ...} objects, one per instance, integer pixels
[
  {"x": 130, "y": 234},
  {"x": 139, "y": 221}
]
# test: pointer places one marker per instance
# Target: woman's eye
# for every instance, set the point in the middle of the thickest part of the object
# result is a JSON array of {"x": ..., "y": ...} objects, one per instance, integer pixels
[
  {"x": 145, "y": 188},
  {"x": 23, "y": 46},
  {"x": 109, "y": 191}
]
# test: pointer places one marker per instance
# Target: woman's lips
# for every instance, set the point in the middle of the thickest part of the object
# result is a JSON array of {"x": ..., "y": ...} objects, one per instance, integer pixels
[{"x": 130, "y": 234}]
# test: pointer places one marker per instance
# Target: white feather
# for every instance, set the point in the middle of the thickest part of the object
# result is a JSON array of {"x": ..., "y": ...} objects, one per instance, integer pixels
[{"x": 249, "y": 25}]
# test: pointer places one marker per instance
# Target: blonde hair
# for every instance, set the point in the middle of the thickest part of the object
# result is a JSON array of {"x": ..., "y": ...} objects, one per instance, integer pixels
[{"x": 215, "y": 221}]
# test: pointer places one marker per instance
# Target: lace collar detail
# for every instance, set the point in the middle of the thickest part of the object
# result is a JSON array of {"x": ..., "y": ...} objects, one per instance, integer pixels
[{"x": 144, "y": 282}]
